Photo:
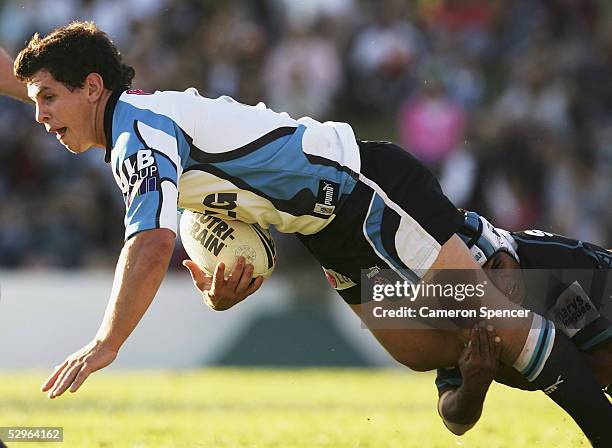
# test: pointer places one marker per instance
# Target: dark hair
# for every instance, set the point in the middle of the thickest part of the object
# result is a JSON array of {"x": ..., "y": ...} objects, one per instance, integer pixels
[{"x": 72, "y": 52}]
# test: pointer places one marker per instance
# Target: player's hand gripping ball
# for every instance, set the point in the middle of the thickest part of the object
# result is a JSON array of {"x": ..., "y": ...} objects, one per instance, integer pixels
[{"x": 209, "y": 240}]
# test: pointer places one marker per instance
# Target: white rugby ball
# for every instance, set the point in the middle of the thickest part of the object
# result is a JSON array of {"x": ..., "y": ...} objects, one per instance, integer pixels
[{"x": 209, "y": 240}]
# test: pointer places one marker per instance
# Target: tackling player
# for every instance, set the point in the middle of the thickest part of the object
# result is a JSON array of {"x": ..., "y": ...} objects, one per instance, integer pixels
[
  {"x": 353, "y": 204},
  {"x": 568, "y": 284}
]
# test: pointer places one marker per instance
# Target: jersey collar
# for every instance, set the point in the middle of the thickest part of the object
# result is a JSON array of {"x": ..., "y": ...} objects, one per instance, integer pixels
[{"x": 108, "y": 122}]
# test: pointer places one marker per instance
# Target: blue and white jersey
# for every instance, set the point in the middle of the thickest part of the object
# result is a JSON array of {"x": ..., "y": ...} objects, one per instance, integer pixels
[{"x": 220, "y": 157}]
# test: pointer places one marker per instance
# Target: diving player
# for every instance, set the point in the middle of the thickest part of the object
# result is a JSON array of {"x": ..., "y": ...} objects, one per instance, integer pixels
[{"x": 353, "y": 204}]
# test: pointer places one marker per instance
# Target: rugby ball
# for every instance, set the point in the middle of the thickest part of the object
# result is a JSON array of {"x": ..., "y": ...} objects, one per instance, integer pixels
[{"x": 209, "y": 240}]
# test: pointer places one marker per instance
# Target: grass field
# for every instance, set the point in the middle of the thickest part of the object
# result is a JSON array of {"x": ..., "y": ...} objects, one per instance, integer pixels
[{"x": 276, "y": 408}]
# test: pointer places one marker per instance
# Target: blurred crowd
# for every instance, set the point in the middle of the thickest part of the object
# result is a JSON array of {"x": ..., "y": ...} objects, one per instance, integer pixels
[{"x": 509, "y": 102}]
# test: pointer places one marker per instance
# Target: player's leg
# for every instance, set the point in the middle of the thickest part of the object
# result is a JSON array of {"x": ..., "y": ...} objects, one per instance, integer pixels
[
  {"x": 600, "y": 361},
  {"x": 420, "y": 350}
]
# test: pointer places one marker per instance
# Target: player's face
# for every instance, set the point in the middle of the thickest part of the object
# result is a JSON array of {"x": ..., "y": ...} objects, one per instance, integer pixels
[
  {"x": 70, "y": 114},
  {"x": 505, "y": 273}
]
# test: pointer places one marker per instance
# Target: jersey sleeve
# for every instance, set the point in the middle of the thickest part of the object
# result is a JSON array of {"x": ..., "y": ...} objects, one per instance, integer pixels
[
  {"x": 448, "y": 379},
  {"x": 147, "y": 171}
]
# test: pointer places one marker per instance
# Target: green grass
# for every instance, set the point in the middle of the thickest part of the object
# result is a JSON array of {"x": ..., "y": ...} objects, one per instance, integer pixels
[{"x": 276, "y": 408}]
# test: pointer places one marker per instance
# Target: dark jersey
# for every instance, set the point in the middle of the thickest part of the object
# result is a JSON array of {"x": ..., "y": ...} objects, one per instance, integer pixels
[{"x": 540, "y": 250}]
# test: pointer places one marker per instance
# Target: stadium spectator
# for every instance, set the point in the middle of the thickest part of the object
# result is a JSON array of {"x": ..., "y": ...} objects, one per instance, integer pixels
[
  {"x": 431, "y": 125},
  {"x": 507, "y": 65}
]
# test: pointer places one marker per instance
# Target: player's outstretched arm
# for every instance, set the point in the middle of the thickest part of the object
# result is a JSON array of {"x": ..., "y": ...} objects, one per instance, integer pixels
[
  {"x": 141, "y": 267},
  {"x": 221, "y": 293},
  {"x": 460, "y": 408},
  {"x": 9, "y": 85}
]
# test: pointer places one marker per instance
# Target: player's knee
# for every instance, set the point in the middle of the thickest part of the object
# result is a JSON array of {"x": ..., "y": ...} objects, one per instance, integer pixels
[
  {"x": 420, "y": 366},
  {"x": 416, "y": 362}
]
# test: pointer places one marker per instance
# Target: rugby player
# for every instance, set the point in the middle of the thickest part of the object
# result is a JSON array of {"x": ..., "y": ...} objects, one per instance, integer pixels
[
  {"x": 569, "y": 284},
  {"x": 253, "y": 164}
]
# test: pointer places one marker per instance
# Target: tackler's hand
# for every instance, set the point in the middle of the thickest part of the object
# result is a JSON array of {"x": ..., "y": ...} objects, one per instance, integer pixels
[{"x": 480, "y": 359}]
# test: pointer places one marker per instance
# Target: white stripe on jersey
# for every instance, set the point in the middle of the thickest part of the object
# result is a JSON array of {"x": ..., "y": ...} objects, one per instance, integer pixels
[
  {"x": 223, "y": 124},
  {"x": 120, "y": 143},
  {"x": 175, "y": 105},
  {"x": 195, "y": 185},
  {"x": 324, "y": 139},
  {"x": 415, "y": 246},
  {"x": 364, "y": 229},
  {"x": 162, "y": 142},
  {"x": 168, "y": 217}
]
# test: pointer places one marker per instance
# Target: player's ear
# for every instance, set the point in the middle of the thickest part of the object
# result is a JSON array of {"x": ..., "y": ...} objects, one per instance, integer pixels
[{"x": 94, "y": 86}]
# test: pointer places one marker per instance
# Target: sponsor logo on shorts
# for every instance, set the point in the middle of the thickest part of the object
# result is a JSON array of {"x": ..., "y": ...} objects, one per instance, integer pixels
[
  {"x": 338, "y": 281},
  {"x": 377, "y": 276},
  {"x": 553, "y": 387},
  {"x": 373, "y": 272},
  {"x": 327, "y": 197}
]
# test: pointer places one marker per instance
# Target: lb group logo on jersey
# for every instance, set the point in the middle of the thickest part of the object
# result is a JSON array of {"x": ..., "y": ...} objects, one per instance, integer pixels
[
  {"x": 327, "y": 197},
  {"x": 139, "y": 172}
]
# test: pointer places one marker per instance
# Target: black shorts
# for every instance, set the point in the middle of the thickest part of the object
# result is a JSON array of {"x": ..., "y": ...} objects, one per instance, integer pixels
[{"x": 396, "y": 218}]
